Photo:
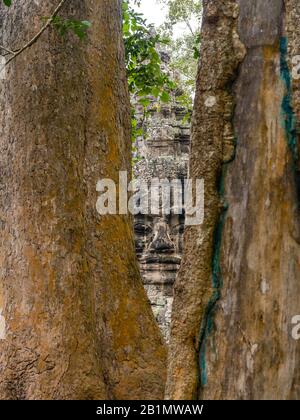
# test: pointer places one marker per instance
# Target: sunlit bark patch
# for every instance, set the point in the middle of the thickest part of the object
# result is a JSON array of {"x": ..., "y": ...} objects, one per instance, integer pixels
[{"x": 2, "y": 326}]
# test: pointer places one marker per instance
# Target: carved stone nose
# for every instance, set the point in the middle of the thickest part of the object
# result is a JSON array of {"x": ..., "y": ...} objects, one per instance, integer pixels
[{"x": 162, "y": 241}]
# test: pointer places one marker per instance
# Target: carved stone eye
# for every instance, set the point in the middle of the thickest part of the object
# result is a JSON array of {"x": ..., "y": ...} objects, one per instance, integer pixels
[
  {"x": 178, "y": 228},
  {"x": 142, "y": 229}
]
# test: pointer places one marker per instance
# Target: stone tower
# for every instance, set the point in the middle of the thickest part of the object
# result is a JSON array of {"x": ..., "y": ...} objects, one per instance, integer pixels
[{"x": 163, "y": 153}]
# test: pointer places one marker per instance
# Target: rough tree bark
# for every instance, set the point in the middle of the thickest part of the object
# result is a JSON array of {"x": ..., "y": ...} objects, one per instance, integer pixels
[
  {"x": 75, "y": 322},
  {"x": 239, "y": 285}
]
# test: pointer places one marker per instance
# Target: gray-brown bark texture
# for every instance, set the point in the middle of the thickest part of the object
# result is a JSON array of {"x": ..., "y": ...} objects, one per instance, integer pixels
[
  {"x": 75, "y": 320},
  {"x": 239, "y": 285}
]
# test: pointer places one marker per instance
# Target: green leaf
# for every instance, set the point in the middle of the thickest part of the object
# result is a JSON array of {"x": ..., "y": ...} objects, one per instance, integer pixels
[
  {"x": 86, "y": 23},
  {"x": 144, "y": 101},
  {"x": 165, "y": 97},
  {"x": 63, "y": 26},
  {"x": 155, "y": 91},
  {"x": 7, "y": 2}
]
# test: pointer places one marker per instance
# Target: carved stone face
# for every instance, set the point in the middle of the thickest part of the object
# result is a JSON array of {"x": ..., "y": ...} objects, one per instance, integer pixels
[
  {"x": 159, "y": 239},
  {"x": 159, "y": 242},
  {"x": 163, "y": 153}
]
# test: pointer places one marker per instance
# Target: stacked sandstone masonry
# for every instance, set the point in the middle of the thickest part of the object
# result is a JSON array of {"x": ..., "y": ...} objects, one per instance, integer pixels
[{"x": 163, "y": 152}]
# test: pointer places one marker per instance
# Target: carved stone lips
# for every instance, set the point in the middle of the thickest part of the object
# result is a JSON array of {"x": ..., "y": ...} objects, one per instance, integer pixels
[{"x": 161, "y": 259}]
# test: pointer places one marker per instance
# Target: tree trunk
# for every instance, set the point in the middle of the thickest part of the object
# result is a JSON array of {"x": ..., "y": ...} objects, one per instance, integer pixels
[
  {"x": 239, "y": 286},
  {"x": 75, "y": 322}
]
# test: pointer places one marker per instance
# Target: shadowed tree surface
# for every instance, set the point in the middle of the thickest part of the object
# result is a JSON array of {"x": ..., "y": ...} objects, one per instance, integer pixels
[
  {"x": 75, "y": 322},
  {"x": 239, "y": 284}
]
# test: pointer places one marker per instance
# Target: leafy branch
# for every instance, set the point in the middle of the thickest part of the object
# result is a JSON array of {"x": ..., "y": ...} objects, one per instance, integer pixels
[
  {"x": 186, "y": 46},
  {"x": 145, "y": 73},
  {"x": 62, "y": 25},
  {"x": 15, "y": 53},
  {"x": 78, "y": 27}
]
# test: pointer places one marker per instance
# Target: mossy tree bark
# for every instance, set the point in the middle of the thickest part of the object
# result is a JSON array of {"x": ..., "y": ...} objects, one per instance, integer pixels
[
  {"x": 239, "y": 285},
  {"x": 75, "y": 322}
]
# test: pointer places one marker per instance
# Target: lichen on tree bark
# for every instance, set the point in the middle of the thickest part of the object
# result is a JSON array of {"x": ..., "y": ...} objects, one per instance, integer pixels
[
  {"x": 78, "y": 324},
  {"x": 245, "y": 348}
]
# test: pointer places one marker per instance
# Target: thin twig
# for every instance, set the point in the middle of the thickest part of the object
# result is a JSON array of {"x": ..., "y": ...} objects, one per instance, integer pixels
[
  {"x": 189, "y": 27},
  {"x": 35, "y": 38},
  {"x": 8, "y": 51}
]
